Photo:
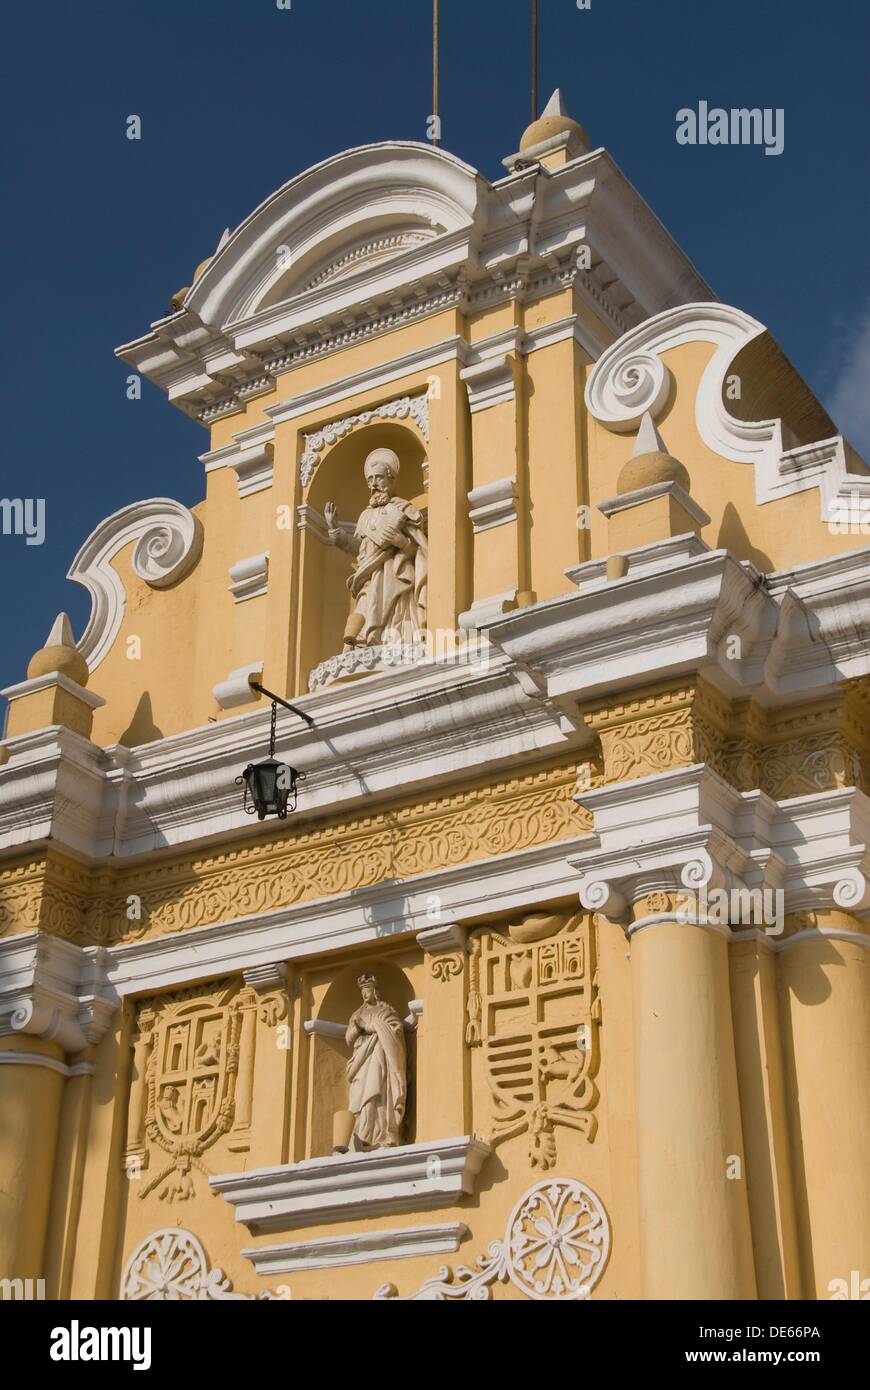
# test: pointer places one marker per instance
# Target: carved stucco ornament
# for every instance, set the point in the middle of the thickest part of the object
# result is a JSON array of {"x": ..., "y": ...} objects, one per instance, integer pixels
[
  {"x": 191, "y": 1074},
  {"x": 169, "y": 539},
  {"x": 555, "y": 1249},
  {"x": 533, "y": 1009},
  {"x": 171, "y": 1266},
  {"x": 414, "y": 407}
]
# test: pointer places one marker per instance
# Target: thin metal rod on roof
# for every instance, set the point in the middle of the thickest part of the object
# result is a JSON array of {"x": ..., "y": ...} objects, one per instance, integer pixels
[
  {"x": 436, "y": 111},
  {"x": 534, "y": 60}
]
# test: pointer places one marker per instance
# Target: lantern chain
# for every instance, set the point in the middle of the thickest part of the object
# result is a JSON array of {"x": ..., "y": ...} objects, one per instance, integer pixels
[{"x": 272, "y": 729}]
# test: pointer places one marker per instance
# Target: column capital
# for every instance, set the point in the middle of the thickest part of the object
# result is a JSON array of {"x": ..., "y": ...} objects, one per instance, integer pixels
[
  {"x": 437, "y": 941},
  {"x": 56, "y": 991}
]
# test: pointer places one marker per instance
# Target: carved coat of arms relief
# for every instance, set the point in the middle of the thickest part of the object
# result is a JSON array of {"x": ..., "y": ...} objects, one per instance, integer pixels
[{"x": 533, "y": 1011}]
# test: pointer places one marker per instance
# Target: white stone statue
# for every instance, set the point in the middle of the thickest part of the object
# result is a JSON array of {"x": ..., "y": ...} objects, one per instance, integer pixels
[
  {"x": 377, "y": 1070},
  {"x": 388, "y": 584}
]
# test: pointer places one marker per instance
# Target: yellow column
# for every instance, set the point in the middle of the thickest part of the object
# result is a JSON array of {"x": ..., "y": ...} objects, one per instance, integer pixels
[
  {"x": 32, "y": 1075},
  {"x": 449, "y": 482},
  {"x": 443, "y": 1111},
  {"x": 763, "y": 1106},
  {"x": 825, "y": 1004},
  {"x": 694, "y": 1218}
]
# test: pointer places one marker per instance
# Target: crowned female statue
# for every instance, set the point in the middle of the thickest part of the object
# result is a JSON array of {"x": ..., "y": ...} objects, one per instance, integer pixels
[
  {"x": 377, "y": 1070},
  {"x": 388, "y": 584}
]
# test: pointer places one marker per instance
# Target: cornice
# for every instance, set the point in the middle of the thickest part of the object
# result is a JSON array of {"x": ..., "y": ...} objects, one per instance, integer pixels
[
  {"x": 676, "y": 609},
  {"x": 397, "y": 732},
  {"x": 517, "y": 239},
  {"x": 688, "y": 828},
  {"x": 503, "y": 703},
  {"x": 354, "y": 1185},
  {"x": 344, "y": 921}
]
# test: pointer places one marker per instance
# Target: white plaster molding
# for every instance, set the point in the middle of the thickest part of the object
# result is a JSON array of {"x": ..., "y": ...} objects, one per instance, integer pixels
[
  {"x": 407, "y": 724},
  {"x": 250, "y": 456},
  {"x": 363, "y": 1247},
  {"x": 236, "y": 689},
  {"x": 415, "y": 408},
  {"x": 493, "y": 504},
  {"x": 365, "y": 917},
  {"x": 48, "y": 682},
  {"x": 688, "y": 829},
  {"x": 168, "y": 540},
  {"x": 413, "y": 727},
  {"x": 555, "y": 1248},
  {"x": 249, "y": 578},
  {"x": 426, "y": 359},
  {"x": 354, "y": 1186},
  {"x": 490, "y": 382},
  {"x": 365, "y": 660},
  {"x": 253, "y": 314},
  {"x": 630, "y": 378},
  {"x": 54, "y": 990},
  {"x": 653, "y": 558},
  {"x": 171, "y": 1264},
  {"x": 264, "y": 978},
  {"x": 338, "y": 200},
  {"x": 376, "y": 250},
  {"x": 625, "y": 500},
  {"x": 487, "y": 610},
  {"x": 447, "y": 936}
]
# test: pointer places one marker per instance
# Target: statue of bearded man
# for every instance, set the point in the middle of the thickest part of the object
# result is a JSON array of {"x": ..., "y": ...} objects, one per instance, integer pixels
[
  {"x": 377, "y": 1070},
  {"x": 388, "y": 584}
]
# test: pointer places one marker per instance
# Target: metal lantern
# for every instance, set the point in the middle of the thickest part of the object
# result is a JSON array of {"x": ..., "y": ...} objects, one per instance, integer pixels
[{"x": 271, "y": 787}]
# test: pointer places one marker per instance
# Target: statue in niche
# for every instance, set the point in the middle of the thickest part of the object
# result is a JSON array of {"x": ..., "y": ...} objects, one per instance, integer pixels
[
  {"x": 391, "y": 551},
  {"x": 377, "y": 1070}
]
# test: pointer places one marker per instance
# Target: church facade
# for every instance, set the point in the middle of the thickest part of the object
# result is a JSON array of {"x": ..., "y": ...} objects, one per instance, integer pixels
[{"x": 553, "y": 986}]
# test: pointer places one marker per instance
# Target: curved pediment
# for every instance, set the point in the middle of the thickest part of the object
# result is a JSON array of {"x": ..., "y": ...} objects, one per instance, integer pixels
[{"x": 338, "y": 222}]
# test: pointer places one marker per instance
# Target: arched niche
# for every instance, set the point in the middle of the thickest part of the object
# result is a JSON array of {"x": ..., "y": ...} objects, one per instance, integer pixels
[
  {"x": 329, "y": 1056},
  {"x": 339, "y": 478}
]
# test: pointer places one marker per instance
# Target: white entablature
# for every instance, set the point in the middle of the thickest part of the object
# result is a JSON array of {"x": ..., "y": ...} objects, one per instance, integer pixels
[{"x": 387, "y": 233}]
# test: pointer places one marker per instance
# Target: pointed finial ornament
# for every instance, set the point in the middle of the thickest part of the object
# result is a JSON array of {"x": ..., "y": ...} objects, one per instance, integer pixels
[
  {"x": 650, "y": 462},
  {"x": 556, "y": 105},
  {"x": 648, "y": 441},
  {"x": 61, "y": 634},
  {"x": 59, "y": 655},
  {"x": 554, "y": 138}
]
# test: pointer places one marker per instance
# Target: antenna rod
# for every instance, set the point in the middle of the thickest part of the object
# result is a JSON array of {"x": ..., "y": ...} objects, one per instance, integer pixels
[
  {"x": 534, "y": 60},
  {"x": 436, "y": 135}
]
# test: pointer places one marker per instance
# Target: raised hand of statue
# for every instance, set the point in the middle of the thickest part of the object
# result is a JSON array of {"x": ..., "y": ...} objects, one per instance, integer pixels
[{"x": 329, "y": 514}]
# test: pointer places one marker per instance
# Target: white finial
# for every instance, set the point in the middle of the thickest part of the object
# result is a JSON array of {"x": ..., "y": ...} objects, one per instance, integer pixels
[
  {"x": 648, "y": 441},
  {"x": 61, "y": 634},
  {"x": 556, "y": 105},
  {"x": 223, "y": 241}
]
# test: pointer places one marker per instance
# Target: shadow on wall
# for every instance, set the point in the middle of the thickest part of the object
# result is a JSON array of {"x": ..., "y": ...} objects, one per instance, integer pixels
[
  {"x": 733, "y": 537},
  {"x": 141, "y": 728}
]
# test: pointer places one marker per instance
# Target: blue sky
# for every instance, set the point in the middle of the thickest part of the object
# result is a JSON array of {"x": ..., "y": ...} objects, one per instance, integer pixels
[{"x": 236, "y": 96}]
